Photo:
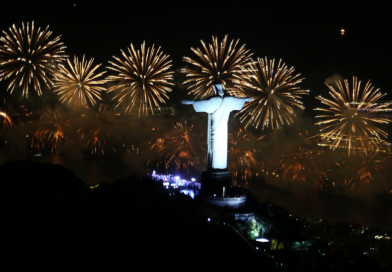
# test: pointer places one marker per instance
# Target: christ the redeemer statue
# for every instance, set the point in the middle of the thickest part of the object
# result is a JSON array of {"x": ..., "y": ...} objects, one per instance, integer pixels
[{"x": 218, "y": 108}]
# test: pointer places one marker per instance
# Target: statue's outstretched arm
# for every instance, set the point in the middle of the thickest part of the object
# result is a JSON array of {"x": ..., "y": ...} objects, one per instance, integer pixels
[{"x": 187, "y": 102}]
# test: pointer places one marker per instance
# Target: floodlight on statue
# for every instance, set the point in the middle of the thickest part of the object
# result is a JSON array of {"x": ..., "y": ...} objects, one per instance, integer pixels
[{"x": 218, "y": 107}]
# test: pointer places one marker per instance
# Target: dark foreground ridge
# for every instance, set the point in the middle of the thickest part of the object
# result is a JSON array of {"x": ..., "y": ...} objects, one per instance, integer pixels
[{"x": 52, "y": 222}]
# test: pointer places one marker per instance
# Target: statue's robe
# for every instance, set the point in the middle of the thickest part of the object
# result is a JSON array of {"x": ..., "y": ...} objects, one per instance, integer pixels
[{"x": 219, "y": 109}]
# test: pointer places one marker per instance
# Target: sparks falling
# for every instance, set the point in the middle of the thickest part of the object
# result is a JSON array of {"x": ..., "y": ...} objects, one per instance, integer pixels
[
  {"x": 366, "y": 169},
  {"x": 242, "y": 154},
  {"x": 347, "y": 116},
  {"x": 184, "y": 147},
  {"x": 5, "y": 119},
  {"x": 143, "y": 79},
  {"x": 97, "y": 133},
  {"x": 218, "y": 63},
  {"x": 274, "y": 92},
  {"x": 78, "y": 85},
  {"x": 53, "y": 129},
  {"x": 302, "y": 166},
  {"x": 29, "y": 56}
]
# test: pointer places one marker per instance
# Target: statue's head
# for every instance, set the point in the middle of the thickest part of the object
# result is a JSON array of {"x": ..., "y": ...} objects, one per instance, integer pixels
[{"x": 218, "y": 88}]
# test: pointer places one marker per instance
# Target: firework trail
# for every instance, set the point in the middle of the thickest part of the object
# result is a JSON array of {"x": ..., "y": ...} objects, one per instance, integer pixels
[
  {"x": 97, "y": 133},
  {"x": 143, "y": 79},
  {"x": 366, "y": 168},
  {"x": 347, "y": 115},
  {"x": 5, "y": 119},
  {"x": 159, "y": 146},
  {"x": 218, "y": 63},
  {"x": 274, "y": 91},
  {"x": 78, "y": 85},
  {"x": 53, "y": 129},
  {"x": 29, "y": 56},
  {"x": 305, "y": 166},
  {"x": 242, "y": 154},
  {"x": 184, "y": 147}
]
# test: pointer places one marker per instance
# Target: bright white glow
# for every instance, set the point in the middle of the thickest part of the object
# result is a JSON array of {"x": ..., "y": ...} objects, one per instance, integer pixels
[
  {"x": 209, "y": 219},
  {"x": 257, "y": 248},
  {"x": 165, "y": 183},
  {"x": 153, "y": 172},
  {"x": 262, "y": 240},
  {"x": 219, "y": 108},
  {"x": 188, "y": 192},
  {"x": 176, "y": 178},
  {"x": 193, "y": 179}
]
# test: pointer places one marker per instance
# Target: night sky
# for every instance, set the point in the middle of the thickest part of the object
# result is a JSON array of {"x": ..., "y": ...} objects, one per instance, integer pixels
[{"x": 305, "y": 35}]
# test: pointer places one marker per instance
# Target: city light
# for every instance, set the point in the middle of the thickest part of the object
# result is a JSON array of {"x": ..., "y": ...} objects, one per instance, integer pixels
[{"x": 262, "y": 240}]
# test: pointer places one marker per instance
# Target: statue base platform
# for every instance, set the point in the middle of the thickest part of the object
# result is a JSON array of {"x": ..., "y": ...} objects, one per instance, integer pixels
[{"x": 215, "y": 182}]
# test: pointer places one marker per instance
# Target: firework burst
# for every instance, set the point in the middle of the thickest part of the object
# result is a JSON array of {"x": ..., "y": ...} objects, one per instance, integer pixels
[
  {"x": 304, "y": 166},
  {"x": 367, "y": 168},
  {"x": 53, "y": 129},
  {"x": 242, "y": 155},
  {"x": 96, "y": 132},
  {"x": 183, "y": 147},
  {"x": 78, "y": 85},
  {"x": 143, "y": 79},
  {"x": 159, "y": 146},
  {"x": 5, "y": 119},
  {"x": 347, "y": 116},
  {"x": 29, "y": 56},
  {"x": 274, "y": 92},
  {"x": 218, "y": 63}
]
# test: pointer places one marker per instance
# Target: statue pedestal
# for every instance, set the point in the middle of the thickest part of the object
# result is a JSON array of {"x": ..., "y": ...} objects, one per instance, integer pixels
[
  {"x": 215, "y": 182},
  {"x": 216, "y": 190}
]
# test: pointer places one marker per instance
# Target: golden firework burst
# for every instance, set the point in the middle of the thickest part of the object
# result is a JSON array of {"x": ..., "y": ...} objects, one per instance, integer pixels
[
  {"x": 366, "y": 168},
  {"x": 143, "y": 78},
  {"x": 29, "y": 56},
  {"x": 5, "y": 119},
  {"x": 184, "y": 147},
  {"x": 274, "y": 91},
  {"x": 242, "y": 155},
  {"x": 348, "y": 115},
  {"x": 218, "y": 63},
  {"x": 52, "y": 129},
  {"x": 78, "y": 85},
  {"x": 97, "y": 129}
]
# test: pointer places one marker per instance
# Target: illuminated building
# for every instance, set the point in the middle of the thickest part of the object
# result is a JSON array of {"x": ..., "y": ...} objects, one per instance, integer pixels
[{"x": 171, "y": 182}]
